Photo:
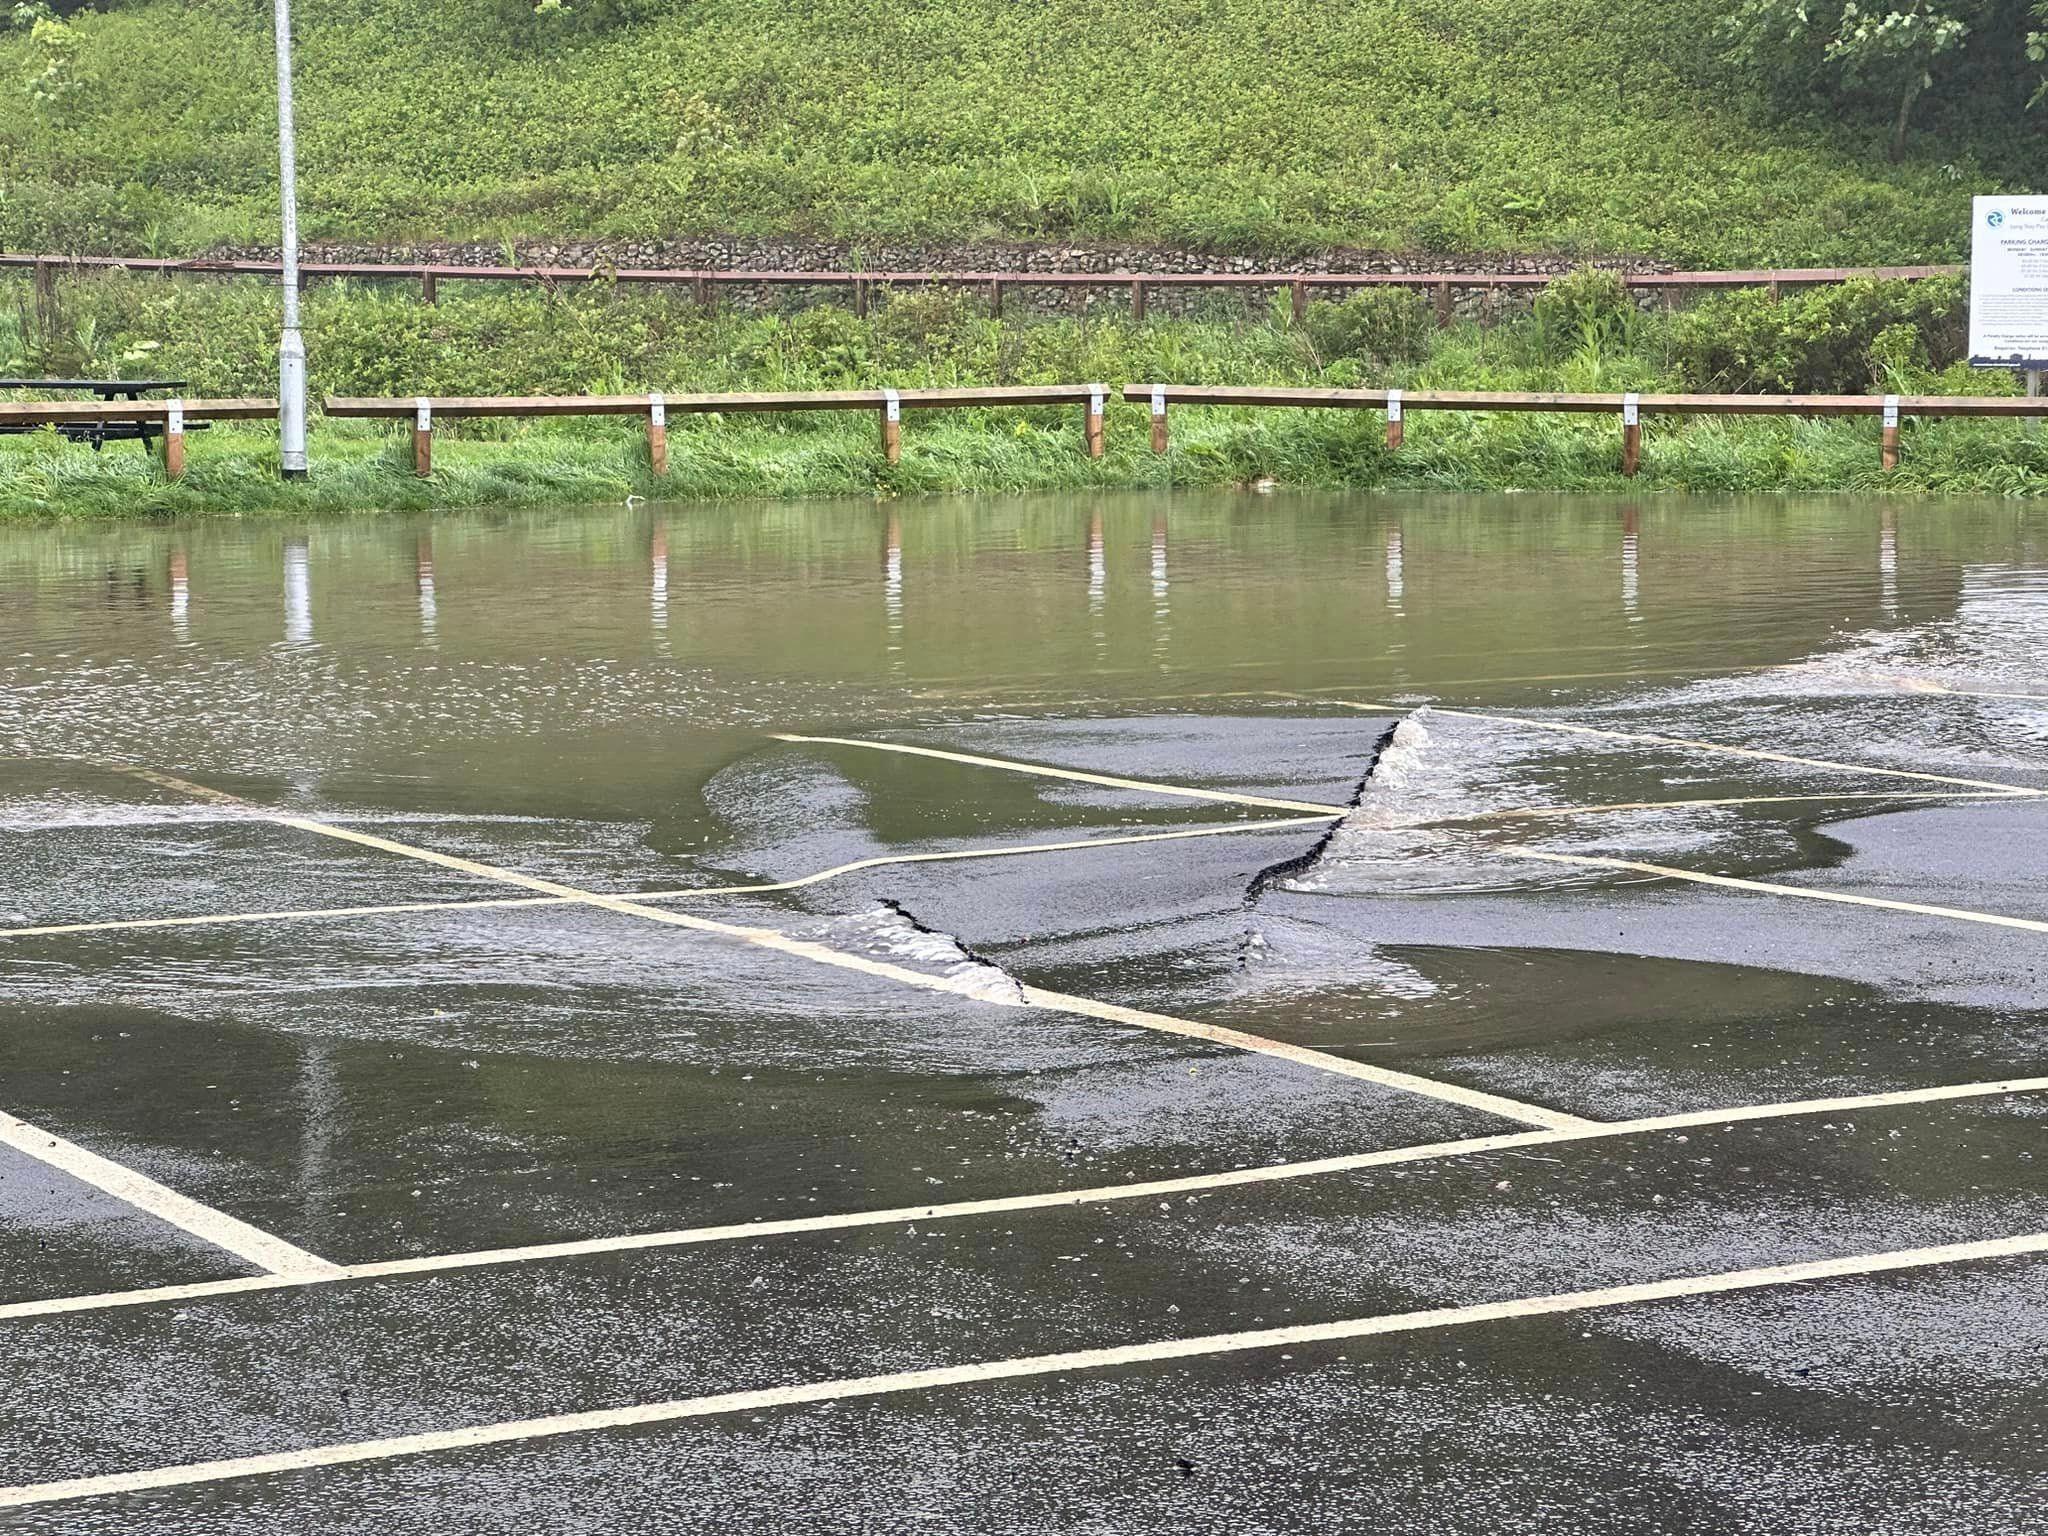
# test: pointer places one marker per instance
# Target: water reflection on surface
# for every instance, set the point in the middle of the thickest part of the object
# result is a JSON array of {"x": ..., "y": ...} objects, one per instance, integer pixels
[{"x": 158, "y": 634}]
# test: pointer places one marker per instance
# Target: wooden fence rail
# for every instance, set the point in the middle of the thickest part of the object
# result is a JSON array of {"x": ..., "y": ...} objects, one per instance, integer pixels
[
  {"x": 1631, "y": 408},
  {"x": 888, "y": 404},
  {"x": 172, "y": 415},
  {"x": 704, "y": 282}
]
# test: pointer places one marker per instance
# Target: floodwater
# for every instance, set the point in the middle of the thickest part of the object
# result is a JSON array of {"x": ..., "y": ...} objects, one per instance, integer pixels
[{"x": 404, "y": 756}]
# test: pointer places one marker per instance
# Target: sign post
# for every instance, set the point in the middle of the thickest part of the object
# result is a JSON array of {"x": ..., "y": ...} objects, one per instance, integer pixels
[{"x": 2009, "y": 284}]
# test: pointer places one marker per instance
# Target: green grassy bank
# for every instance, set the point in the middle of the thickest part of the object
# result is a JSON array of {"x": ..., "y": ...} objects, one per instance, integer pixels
[
  {"x": 232, "y": 471},
  {"x": 1582, "y": 334},
  {"x": 1474, "y": 126}
]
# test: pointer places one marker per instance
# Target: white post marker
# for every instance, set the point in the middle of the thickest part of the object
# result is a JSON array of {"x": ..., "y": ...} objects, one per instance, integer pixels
[
  {"x": 1631, "y": 410},
  {"x": 1393, "y": 405},
  {"x": 174, "y": 439},
  {"x": 423, "y": 414},
  {"x": 1891, "y": 410},
  {"x": 892, "y": 405},
  {"x": 1158, "y": 399},
  {"x": 1095, "y": 395},
  {"x": 657, "y": 409}
]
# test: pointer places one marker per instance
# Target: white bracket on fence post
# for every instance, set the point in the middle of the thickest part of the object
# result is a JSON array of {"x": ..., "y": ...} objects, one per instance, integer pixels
[
  {"x": 892, "y": 405},
  {"x": 1631, "y": 410},
  {"x": 657, "y": 409},
  {"x": 1158, "y": 399},
  {"x": 1095, "y": 394},
  {"x": 174, "y": 416},
  {"x": 1393, "y": 405},
  {"x": 423, "y": 418},
  {"x": 1891, "y": 410}
]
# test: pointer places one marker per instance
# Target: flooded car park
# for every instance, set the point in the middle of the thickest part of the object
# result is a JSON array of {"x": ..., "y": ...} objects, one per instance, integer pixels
[{"x": 1117, "y": 1013}]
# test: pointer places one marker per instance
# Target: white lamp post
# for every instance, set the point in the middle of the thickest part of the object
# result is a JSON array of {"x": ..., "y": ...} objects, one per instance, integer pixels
[{"x": 291, "y": 348}]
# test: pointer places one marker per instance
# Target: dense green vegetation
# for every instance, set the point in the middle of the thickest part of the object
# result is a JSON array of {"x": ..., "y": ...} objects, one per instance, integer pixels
[
  {"x": 1582, "y": 334},
  {"x": 1454, "y": 125}
]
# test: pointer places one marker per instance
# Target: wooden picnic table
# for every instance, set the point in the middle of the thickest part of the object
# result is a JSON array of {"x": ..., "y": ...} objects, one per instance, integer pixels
[{"x": 99, "y": 433}]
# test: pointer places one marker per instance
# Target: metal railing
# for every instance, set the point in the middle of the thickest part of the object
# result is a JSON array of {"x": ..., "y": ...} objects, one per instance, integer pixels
[{"x": 862, "y": 286}]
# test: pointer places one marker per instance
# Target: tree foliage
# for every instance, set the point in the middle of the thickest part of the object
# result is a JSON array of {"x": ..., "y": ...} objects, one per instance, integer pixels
[{"x": 1893, "y": 48}]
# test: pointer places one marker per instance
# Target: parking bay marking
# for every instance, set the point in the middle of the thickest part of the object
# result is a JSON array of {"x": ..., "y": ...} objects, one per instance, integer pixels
[
  {"x": 1046, "y": 770},
  {"x": 1770, "y": 888},
  {"x": 1222, "y": 829},
  {"x": 1038, "y": 997},
  {"x": 1109, "y": 1358},
  {"x": 223, "y": 1231},
  {"x": 1654, "y": 738},
  {"x": 1048, "y": 1200}
]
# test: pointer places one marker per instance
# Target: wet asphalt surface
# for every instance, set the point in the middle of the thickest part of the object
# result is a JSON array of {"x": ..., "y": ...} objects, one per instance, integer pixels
[{"x": 400, "y": 1085}]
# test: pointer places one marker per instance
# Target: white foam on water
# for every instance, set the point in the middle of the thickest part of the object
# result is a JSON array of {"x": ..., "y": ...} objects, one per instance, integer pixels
[
  {"x": 1423, "y": 776},
  {"x": 1284, "y": 955},
  {"x": 75, "y": 812},
  {"x": 882, "y": 932}
]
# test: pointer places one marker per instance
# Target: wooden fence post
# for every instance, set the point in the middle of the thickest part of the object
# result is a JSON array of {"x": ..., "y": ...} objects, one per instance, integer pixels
[
  {"x": 657, "y": 433},
  {"x": 1300, "y": 301},
  {"x": 1891, "y": 432},
  {"x": 995, "y": 299},
  {"x": 1443, "y": 305},
  {"x": 1631, "y": 435},
  {"x": 1159, "y": 418},
  {"x": 422, "y": 437},
  {"x": 174, "y": 439},
  {"x": 860, "y": 298},
  {"x": 1137, "y": 301},
  {"x": 430, "y": 290},
  {"x": 892, "y": 426},
  {"x": 1095, "y": 394},
  {"x": 1397, "y": 426}
]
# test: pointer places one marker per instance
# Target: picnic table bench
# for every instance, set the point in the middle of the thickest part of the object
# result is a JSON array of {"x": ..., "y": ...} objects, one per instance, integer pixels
[
  {"x": 133, "y": 419},
  {"x": 99, "y": 433}
]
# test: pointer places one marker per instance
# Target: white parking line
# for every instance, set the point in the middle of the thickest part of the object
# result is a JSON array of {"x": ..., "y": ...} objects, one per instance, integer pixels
[
  {"x": 1043, "y": 771},
  {"x": 1769, "y": 888},
  {"x": 165, "y": 1204},
  {"x": 1152, "y": 1352},
  {"x": 1223, "y": 829},
  {"x": 770, "y": 938},
  {"x": 1655, "y": 739},
  {"x": 1538, "y": 812},
  {"x": 1152, "y": 1189}
]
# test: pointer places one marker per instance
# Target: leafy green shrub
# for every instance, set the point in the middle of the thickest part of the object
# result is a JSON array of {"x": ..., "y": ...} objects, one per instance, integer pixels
[
  {"x": 1477, "y": 126},
  {"x": 1379, "y": 326},
  {"x": 1846, "y": 338},
  {"x": 1587, "y": 309},
  {"x": 581, "y": 15}
]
